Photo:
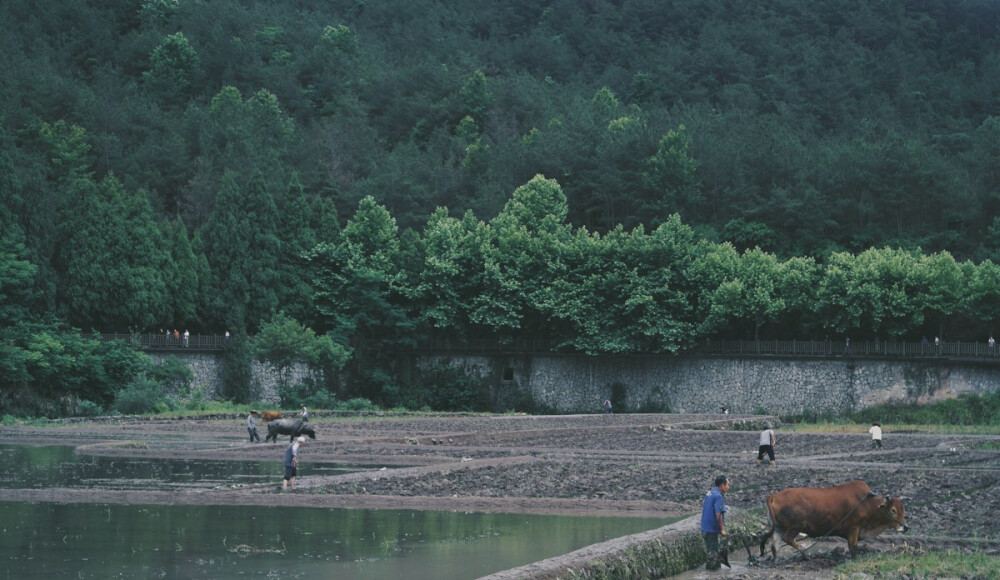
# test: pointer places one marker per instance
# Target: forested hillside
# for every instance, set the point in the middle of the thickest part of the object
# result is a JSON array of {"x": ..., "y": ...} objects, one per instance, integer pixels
[
  {"x": 710, "y": 167},
  {"x": 809, "y": 126}
]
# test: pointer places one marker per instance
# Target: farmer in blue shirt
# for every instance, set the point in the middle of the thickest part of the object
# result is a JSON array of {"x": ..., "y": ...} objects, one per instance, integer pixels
[{"x": 713, "y": 521}]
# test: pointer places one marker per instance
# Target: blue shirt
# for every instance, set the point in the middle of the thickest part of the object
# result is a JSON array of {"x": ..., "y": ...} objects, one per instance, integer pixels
[{"x": 715, "y": 503}]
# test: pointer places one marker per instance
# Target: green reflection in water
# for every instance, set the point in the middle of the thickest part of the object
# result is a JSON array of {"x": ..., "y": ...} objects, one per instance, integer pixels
[
  {"x": 58, "y": 466},
  {"x": 152, "y": 541}
]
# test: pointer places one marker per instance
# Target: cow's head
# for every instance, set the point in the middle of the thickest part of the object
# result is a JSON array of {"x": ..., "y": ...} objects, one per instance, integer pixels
[
  {"x": 307, "y": 430},
  {"x": 892, "y": 508}
]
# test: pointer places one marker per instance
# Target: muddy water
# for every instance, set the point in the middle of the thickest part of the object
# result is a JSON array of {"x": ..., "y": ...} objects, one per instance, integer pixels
[
  {"x": 155, "y": 541},
  {"x": 51, "y": 540}
]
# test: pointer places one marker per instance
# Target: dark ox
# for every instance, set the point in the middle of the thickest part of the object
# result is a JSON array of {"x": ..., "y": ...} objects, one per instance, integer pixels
[
  {"x": 850, "y": 511},
  {"x": 291, "y": 427},
  {"x": 267, "y": 416}
]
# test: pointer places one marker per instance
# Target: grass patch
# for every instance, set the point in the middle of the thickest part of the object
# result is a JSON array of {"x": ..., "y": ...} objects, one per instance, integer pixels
[
  {"x": 888, "y": 429},
  {"x": 966, "y": 410},
  {"x": 921, "y": 564},
  {"x": 968, "y": 414}
]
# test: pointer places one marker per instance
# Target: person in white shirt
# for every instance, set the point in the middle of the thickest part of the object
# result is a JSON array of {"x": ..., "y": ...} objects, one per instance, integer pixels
[
  {"x": 767, "y": 443},
  {"x": 876, "y": 432}
]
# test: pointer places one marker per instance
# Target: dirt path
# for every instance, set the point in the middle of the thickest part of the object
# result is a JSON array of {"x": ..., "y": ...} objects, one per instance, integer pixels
[{"x": 627, "y": 465}]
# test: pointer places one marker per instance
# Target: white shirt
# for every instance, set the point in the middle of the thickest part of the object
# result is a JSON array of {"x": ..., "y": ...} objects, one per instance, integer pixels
[
  {"x": 876, "y": 432},
  {"x": 766, "y": 436}
]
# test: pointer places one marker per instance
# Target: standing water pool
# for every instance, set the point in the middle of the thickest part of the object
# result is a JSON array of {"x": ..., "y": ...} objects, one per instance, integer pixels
[
  {"x": 187, "y": 541},
  {"x": 95, "y": 540}
]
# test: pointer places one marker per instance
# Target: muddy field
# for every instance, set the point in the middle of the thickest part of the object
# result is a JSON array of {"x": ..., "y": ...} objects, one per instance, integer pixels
[{"x": 641, "y": 465}]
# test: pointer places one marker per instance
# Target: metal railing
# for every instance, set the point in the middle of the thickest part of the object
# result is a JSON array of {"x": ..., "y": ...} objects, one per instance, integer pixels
[
  {"x": 804, "y": 348},
  {"x": 828, "y": 348},
  {"x": 157, "y": 341}
]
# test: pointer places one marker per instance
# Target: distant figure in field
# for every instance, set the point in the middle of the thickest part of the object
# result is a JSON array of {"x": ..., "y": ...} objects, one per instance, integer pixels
[
  {"x": 876, "y": 431},
  {"x": 607, "y": 406},
  {"x": 291, "y": 464},
  {"x": 767, "y": 443},
  {"x": 252, "y": 427}
]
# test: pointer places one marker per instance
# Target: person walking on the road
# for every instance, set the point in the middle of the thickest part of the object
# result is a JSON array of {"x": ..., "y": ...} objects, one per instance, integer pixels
[
  {"x": 767, "y": 443},
  {"x": 305, "y": 414},
  {"x": 713, "y": 521},
  {"x": 252, "y": 427},
  {"x": 876, "y": 431},
  {"x": 607, "y": 406}
]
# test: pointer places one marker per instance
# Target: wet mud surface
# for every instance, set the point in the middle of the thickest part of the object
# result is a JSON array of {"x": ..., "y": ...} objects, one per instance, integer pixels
[{"x": 629, "y": 465}]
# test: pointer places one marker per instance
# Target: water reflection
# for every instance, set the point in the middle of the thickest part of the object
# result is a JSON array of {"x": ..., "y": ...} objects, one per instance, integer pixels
[
  {"x": 153, "y": 541},
  {"x": 58, "y": 466},
  {"x": 54, "y": 540}
]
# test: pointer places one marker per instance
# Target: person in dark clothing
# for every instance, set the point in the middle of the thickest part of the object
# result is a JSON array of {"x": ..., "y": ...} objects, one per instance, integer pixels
[
  {"x": 292, "y": 464},
  {"x": 252, "y": 427}
]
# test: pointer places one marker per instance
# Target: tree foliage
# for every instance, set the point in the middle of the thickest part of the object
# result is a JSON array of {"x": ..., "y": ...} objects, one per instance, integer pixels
[{"x": 633, "y": 176}]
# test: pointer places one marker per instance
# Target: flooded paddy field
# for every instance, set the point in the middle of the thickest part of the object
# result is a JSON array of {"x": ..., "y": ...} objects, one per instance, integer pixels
[{"x": 643, "y": 469}]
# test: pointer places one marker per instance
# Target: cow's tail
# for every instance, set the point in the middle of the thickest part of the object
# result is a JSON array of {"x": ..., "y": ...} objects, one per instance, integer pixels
[{"x": 769, "y": 534}]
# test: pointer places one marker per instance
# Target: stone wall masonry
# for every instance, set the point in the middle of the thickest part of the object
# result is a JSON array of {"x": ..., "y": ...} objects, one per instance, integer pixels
[
  {"x": 206, "y": 368},
  {"x": 579, "y": 384}
]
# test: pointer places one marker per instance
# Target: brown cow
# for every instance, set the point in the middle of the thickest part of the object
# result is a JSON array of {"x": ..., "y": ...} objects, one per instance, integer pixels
[
  {"x": 850, "y": 511},
  {"x": 268, "y": 416}
]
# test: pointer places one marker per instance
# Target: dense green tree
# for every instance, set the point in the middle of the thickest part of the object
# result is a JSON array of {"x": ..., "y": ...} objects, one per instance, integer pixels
[
  {"x": 283, "y": 343},
  {"x": 475, "y": 97},
  {"x": 984, "y": 294},
  {"x": 943, "y": 289},
  {"x": 715, "y": 268},
  {"x": 112, "y": 261},
  {"x": 754, "y": 293},
  {"x": 671, "y": 176},
  {"x": 874, "y": 293},
  {"x": 248, "y": 138},
  {"x": 243, "y": 250},
  {"x": 362, "y": 297},
  {"x": 297, "y": 237},
  {"x": 181, "y": 275},
  {"x": 173, "y": 68},
  {"x": 798, "y": 289},
  {"x": 520, "y": 242},
  {"x": 46, "y": 371},
  {"x": 16, "y": 279},
  {"x": 451, "y": 271}
]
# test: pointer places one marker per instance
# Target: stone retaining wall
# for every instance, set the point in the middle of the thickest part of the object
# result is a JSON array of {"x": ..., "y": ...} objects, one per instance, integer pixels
[
  {"x": 657, "y": 553},
  {"x": 206, "y": 368},
  {"x": 577, "y": 384}
]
